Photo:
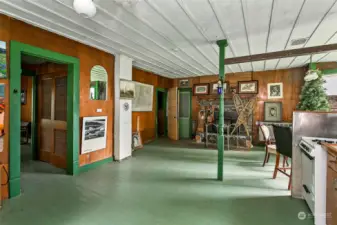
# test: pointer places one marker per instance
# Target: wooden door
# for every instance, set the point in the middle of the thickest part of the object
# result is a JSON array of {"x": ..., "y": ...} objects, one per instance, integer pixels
[
  {"x": 52, "y": 119},
  {"x": 184, "y": 114},
  {"x": 173, "y": 126}
]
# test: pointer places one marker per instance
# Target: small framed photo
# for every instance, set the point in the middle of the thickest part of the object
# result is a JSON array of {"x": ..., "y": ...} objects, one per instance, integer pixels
[
  {"x": 201, "y": 89},
  {"x": 136, "y": 141},
  {"x": 23, "y": 97},
  {"x": 185, "y": 83},
  {"x": 214, "y": 88},
  {"x": 127, "y": 89},
  {"x": 275, "y": 90},
  {"x": 273, "y": 111},
  {"x": 248, "y": 87}
]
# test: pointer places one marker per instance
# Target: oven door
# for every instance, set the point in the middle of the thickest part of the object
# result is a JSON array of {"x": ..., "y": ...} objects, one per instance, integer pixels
[{"x": 308, "y": 179}]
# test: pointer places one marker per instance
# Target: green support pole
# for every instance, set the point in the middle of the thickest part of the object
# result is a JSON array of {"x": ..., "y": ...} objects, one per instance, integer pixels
[{"x": 221, "y": 139}]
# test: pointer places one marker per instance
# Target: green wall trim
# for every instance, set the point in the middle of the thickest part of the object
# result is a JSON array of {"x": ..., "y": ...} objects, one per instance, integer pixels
[
  {"x": 313, "y": 66},
  {"x": 329, "y": 72},
  {"x": 163, "y": 90},
  {"x": 16, "y": 49},
  {"x": 191, "y": 93},
  {"x": 88, "y": 167}
]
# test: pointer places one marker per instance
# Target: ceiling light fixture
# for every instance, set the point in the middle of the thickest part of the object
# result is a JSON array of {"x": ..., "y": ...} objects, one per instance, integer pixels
[{"x": 85, "y": 8}]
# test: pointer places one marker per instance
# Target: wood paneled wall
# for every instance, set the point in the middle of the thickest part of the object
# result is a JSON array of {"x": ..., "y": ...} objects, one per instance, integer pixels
[
  {"x": 11, "y": 29},
  {"x": 26, "y": 110},
  {"x": 292, "y": 80},
  {"x": 147, "y": 119}
]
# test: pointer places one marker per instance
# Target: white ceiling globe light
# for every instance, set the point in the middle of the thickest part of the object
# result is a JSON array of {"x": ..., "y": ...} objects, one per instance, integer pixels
[{"x": 85, "y": 8}]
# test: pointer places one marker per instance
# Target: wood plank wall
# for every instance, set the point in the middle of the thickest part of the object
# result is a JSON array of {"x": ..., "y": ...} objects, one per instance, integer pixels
[
  {"x": 147, "y": 119},
  {"x": 11, "y": 29},
  {"x": 292, "y": 80}
]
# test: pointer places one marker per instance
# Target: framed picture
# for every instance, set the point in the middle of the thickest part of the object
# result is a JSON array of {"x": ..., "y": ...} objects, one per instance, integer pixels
[
  {"x": 127, "y": 89},
  {"x": 94, "y": 133},
  {"x": 275, "y": 90},
  {"x": 201, "y": 89},
  {"x": 136, "y": 141},
  {"x": 3, "y": 60},
  {"x": 184, "y": 83},
  {"x": 23, "y": 97},
  {"x": 273, "y": 111},
  {"x": 214, "y": 88},
  {"x": 248, "y": 87}
]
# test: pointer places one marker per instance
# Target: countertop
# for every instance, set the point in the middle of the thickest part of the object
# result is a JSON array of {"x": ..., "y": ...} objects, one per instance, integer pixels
[{"x": 332, "y": 148}]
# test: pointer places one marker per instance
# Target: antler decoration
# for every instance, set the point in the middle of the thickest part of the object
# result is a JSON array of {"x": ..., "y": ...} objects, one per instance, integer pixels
[{"x": 244, "y": 110}]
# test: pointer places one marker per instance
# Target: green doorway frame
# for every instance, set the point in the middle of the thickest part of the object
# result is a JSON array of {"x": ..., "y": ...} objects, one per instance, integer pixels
[
  {"x": 189, "y": 90},
  {"x": 16, "y": 50},
  {"x": 165, "y": 93}
]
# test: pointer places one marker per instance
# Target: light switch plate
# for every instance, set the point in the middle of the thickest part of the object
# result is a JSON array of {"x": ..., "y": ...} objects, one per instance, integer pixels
[{"x": 99, "y": 110}]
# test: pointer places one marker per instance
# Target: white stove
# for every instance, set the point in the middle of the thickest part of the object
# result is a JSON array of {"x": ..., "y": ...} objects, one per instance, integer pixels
[
  {"x": 314, "y": 170},
  {"x": 309, "y": 144}
]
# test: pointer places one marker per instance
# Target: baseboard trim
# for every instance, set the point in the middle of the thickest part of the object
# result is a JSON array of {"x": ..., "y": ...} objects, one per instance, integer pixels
[{"x": 94, "y": 165}]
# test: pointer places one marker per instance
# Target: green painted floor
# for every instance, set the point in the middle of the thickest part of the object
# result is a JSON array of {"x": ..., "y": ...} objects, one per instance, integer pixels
[{"x": 161, "y": 185}]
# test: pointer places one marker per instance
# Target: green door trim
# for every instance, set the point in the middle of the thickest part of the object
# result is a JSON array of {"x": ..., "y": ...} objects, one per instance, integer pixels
[
  {"x": 16, "y": 49},
  {"x": 313, "y": 66},
  {"x": 163, "y": 90},
  {"x": 190, "y": 91}
]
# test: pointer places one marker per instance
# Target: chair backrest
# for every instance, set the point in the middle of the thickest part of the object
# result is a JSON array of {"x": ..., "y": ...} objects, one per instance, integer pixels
[
  {"x": 265, "y": 132},
  {"x": 283, "y": 139}
]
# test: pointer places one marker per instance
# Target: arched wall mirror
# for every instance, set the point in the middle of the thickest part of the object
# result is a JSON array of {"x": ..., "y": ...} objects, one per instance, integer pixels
[{"x": 98, "y": 83}]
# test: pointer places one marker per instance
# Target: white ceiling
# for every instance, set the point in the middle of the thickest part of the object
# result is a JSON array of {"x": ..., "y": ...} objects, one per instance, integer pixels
[{"x": 176, "y": 38}]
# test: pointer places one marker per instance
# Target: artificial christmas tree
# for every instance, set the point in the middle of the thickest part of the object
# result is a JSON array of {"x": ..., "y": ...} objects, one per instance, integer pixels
[{"x": 313, "y": 96}]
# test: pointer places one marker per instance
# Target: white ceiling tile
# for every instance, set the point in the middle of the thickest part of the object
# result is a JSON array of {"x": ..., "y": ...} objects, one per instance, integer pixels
[
  {"x": 257, "y": 15},
  {"x": 312, "y": 13},
  {"x": 284, "y": 63},
  {"x": 177, "y": 37},
  {"x": 271, "y": 64},
  {"x": 329, "y": 57},
  {"x": 284, "y": 17},
  {"x": 258, "y": 65}
]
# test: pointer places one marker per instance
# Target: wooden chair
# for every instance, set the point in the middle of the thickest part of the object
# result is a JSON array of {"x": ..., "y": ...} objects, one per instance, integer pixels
[
  {"x": 283, "y": 138},
  {"x": 269, "y": 142}
]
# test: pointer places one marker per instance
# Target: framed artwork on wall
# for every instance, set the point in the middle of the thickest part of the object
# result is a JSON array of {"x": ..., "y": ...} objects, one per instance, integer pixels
[
  {"x": 214, "y": 88},
  {"x": 185, "y": 83},
  {"x": 248, "y": 87},
  {"x": 94, "y": 133},
  {"x": 201, "y": 89},
  {"x": 127, "y": 89},
  {"x": 273, "y": 111},
  {"x": 137, "y": 142},
  {"x": 275, "y": 90},
  {"x": 3, "y": 60}
]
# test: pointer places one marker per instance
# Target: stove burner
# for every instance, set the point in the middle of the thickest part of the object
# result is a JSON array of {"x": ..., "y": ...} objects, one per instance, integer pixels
[{"x": 321, "y": 141}]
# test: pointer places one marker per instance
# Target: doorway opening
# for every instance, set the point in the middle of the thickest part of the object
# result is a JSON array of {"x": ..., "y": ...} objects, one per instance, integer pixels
[
  {"x": 161, "y": 113},
  {"x": 185, "y": 113},
  {"x": 44, "y": 104},
  {"x": 54, "y": 103}
]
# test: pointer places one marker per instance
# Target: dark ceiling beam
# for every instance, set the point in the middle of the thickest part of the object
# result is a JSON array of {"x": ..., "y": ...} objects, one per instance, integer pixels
[{"x": 282, "y": 54}]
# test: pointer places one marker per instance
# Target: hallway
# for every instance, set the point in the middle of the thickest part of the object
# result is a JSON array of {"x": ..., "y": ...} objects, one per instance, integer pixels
[{"x": 159, "y": 185}]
